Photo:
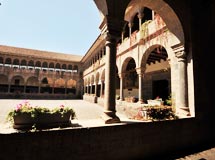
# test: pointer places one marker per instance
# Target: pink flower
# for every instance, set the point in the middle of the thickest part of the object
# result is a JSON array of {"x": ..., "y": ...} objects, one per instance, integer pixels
[
  {"x": 18, "y": 107},
  {"x": 62, "y": 106}
]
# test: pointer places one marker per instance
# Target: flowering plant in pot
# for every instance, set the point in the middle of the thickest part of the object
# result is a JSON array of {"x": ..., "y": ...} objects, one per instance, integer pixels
[{"x": 26, "y": 116}]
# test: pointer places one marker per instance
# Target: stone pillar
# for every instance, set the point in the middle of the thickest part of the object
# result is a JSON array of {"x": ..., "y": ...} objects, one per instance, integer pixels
[
  {"x": 53, "y": 87},
  {"x": 85, "y": 89},
  {"x": 182, "y": 99},
  {"x": 88, "y": 89},
  {"x": 140, "y": 72},
  {"x": 9, "y": 86},
  {"x": 130, "y": 24},
  {"x": 65, "y": 92},
  {"x": 121, "y": 76},
  {"x": 91, "y": 89},
  {"x": 109, "y": 115},
  {"x": 96, "y": 89},
  {"x": 101, "y": 90},
  {"x": 24, "y": 88},
  {"x": 39, "y": 87},
  {"x": 140, "y": 16}
]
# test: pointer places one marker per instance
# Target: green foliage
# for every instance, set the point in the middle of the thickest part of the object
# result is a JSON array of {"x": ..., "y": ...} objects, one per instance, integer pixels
[
  {"x": 25, "y": 107},
  {"x": 169, "y": 100},
  {"x": 160, "y": 112}
]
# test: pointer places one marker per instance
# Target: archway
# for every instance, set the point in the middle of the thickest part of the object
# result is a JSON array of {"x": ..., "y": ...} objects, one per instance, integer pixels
[
  {"x": 17, "y": 84},
  {"x": 130, "y": 84},
  {"x": 32, "y": 85}
]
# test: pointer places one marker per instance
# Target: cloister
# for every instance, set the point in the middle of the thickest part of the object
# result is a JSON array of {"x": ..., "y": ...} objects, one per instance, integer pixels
[
  {"x": 33, "y": 74},
  {"x": 147, "y": 48},
  {"x": 151, "y": 60}
]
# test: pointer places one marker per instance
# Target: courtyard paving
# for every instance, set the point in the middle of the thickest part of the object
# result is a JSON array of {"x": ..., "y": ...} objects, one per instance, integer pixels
[{"x": 87, "y": 115}]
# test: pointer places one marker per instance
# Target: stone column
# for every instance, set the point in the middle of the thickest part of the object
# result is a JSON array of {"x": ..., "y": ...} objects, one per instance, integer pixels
[
  {"x": 85, "y": 89},
  {"x": 9, "y": 86},
  {"x": 182, "y": 99},
  {"x": 25, "y": 87},
  {"x": 109, "y": 115},
  {"x": 39, "y": 87},
  {"x": 101, "y": 90},
  {"x": 130, "y": 24},
  {"x": 140, "y": 72},
  {"x": 91, "y": 89},
  {"x": 88, "y": 89},
  {"x": 65, "y": 92},
  {"x": 53, "y": 87},
  {"x": 140, "y": 16},
  {"x": 96, "y": 89},
  {"x": 121, "y": 76}
]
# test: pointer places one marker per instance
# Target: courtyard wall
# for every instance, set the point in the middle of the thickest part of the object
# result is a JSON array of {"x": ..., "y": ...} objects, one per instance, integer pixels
[{"x": 126, "y": 141}]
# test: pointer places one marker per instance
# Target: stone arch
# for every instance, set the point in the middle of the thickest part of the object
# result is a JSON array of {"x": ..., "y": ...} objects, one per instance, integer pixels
[
  {"x": 64, "y": 66},
  {"x": 32, "y": 84},
  {"x": 3, "y": 83},
  {"x": 51, "y": 65},
  {"x": 38, "y": 64},
  {"x": 125, "y": 63},
  {"x": 71, "y": 86},
  {"x": 57, "y": 66},
  {"x": 75, "y": 67},
  {"x": 8, "y": 61},
  {"x": 162, "y": 8},
  {"x": 70, "y": 67},
  {"x": 31, "y": 63},
  {"x": 32, "y": 81},
  {"x": 60, "y": 83},
  {"x": 148, "y": 51},
  {"x": 16, "y": 61},
  {"x": 156, "y": 68},
  {"x": 17, "y": 80},
  {"x": 45, "y": 65},
  {"x": 23, "y": 62},
  {"x": 17, "y": 84},
  {"x": 1, "y": 60},
  {"x": 71, "y": 83},
  {"x": 129, "y": 70},
  {"x": 46, "y": 81},
  {"x": 4, "y": 79}
]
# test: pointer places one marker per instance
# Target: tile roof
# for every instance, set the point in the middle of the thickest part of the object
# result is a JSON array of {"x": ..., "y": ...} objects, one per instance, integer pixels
[{"x": 39, "y": 53}]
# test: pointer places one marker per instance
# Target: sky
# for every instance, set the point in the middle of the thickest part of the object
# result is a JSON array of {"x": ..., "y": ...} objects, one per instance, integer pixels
[{"x": 64, "y": 26}]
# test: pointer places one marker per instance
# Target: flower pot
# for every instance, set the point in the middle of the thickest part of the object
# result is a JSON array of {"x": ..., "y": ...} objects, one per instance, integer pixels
[
  {"x": 23, "y": 121},
  {"x": 54, "y": 119},
  {"x": 44, "y": 120}
]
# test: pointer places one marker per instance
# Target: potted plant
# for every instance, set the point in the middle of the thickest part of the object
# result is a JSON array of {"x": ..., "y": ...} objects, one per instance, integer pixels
[{"x": 25, "y": 116}]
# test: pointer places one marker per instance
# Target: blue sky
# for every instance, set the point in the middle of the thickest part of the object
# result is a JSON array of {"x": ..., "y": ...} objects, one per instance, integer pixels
[{"x": 65, "y": 26}]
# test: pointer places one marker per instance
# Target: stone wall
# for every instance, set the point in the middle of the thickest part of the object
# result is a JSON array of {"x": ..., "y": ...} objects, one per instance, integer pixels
[{"x": 126, "y": 141}]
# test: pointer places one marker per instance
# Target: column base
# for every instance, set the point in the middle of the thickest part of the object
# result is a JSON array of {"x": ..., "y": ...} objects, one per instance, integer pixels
[
  {"x": 141, "y": 101},
  {"x": 110, "y": 117},
  {"x": 183, "y": 112}
]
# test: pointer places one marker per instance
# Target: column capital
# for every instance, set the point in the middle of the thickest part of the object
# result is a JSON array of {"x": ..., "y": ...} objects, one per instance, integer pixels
[
  {"x": 130, "y": 24},
  {"x": 181, "y": 55},
  {"x": 110, "y": 37},
  {"x": 121, "y": 75},
  {"x": 140, "y": 71},
  {"x": 140, "y": 14}
]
